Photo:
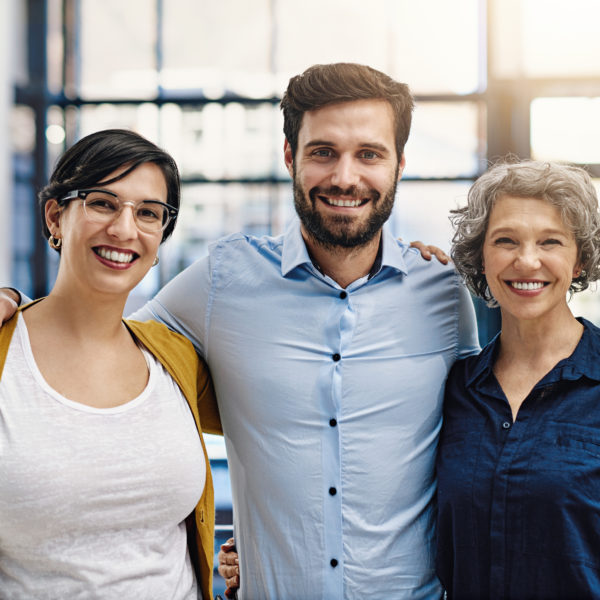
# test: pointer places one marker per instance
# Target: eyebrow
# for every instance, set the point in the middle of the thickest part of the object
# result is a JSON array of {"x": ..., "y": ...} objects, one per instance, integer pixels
[
  {"x": 370, "y": 145},
  {"x": 119, "y": 198},
  {"x": 511, "y": 229}
]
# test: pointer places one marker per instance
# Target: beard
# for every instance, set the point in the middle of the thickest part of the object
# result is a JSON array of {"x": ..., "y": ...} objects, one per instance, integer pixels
[{"x": 340, "y": 231}]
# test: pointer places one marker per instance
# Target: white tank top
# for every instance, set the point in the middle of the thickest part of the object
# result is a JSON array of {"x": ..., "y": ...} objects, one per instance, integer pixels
[{"x": 93, "y": 501}]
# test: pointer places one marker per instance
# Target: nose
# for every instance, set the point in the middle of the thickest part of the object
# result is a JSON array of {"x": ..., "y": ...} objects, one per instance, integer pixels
[
  {"x": 124, "y": 226},
  {"x": 528, "y": 258},
  {"x": 345, "y": 172}
]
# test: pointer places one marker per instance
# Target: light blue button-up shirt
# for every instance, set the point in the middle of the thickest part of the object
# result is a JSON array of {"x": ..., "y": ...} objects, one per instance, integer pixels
[{"x": 330, "y": 402}]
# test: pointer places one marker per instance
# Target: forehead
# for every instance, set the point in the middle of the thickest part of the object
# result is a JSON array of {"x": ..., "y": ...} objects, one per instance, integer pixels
[
  {"x": 515, "y": 211},
  {"x": 358, "y": 121},
  {"x": 146, "y": 179}
]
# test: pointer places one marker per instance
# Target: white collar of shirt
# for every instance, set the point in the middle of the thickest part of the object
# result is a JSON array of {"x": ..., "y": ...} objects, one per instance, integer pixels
[{"x": 295, "y": 253}]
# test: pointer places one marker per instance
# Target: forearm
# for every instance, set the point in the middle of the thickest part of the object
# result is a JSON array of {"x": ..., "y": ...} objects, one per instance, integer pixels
[{"x": 10, "y": 300}]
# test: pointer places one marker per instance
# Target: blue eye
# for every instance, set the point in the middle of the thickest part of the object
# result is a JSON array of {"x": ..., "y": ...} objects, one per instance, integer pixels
[{"x": 369, "y": 154}]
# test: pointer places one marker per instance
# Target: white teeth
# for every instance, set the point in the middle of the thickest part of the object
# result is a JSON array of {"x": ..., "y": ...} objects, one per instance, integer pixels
[
  {"x": 114, "y": 256},
  {"x": 338, "y": 202},
  {"x": 527, "y": 285}
]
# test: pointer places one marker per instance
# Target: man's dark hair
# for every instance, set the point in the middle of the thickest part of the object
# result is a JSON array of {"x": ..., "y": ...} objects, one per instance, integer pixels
[{"x": 321, "y": 85}]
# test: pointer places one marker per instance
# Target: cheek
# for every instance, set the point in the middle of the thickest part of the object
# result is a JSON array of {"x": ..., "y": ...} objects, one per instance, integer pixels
[
  {"x": 311, "y": 177},
  {"x": 494, "y": 261},
  {"x": 153, "y": 244}
]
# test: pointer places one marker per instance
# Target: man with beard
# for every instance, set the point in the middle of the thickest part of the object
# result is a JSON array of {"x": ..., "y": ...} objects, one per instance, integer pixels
[{"x": 329, "y": 347}]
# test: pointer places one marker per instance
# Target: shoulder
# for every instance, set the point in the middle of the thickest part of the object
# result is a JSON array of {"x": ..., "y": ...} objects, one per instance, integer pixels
[
  {"x": 593, "y": 330},
  {"x": 241, "y": 242},
  {"x": 174, "y": 351},
  {"x": 585, "y": 355},
  {"x": 466, "y": 370},
  {"x": 242, "y": 256},
  {"x": 159, "y": 339},
  {"x": 431, "y": 278}
]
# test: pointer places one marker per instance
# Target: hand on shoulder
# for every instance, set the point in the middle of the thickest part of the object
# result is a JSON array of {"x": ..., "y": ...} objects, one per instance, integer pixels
[
  {"x": 427, "y": 251},
  {"x": 9, "y": 302}
]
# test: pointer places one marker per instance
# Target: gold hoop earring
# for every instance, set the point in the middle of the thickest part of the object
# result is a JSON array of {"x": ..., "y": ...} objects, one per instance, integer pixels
[
  {"x": 54, "y": 243},
  {"x": 156, "y": 261}
]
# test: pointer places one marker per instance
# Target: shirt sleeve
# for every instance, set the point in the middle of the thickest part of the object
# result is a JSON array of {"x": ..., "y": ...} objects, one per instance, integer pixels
[
  {"x": 182, "y": 304},
  {"x": 468, "y": 341}
]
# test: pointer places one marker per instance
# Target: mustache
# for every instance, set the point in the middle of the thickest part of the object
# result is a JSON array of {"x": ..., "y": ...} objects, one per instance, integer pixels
[{"x": 354, "y": 192}]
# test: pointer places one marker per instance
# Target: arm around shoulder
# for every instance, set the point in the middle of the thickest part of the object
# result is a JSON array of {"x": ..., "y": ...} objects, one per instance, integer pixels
[{"x": 181, "y": 304}]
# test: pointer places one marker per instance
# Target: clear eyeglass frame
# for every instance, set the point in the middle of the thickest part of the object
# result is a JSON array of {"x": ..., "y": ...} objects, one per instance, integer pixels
[{"x": 147, "y": 226}]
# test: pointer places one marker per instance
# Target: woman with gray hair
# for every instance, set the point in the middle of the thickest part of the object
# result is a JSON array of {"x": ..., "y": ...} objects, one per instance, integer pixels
[{"x": 519, "y": 458}]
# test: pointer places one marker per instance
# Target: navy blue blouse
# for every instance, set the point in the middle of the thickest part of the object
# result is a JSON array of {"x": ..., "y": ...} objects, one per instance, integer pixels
[{"x": 519, "y": 503}]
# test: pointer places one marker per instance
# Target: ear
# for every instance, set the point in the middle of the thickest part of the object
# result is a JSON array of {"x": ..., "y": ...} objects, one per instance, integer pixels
[
  {"x": 288, "y": 157},
  {"x": 52, "y": 212},
  {"x": 401, "y": 165}
]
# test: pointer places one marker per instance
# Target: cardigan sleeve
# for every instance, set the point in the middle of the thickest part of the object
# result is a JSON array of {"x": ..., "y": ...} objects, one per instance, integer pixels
[{"x": 207, "y": 402}]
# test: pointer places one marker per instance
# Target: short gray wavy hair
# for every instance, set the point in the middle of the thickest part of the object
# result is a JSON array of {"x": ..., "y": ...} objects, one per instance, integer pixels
[{"x": 568, "y": 188}]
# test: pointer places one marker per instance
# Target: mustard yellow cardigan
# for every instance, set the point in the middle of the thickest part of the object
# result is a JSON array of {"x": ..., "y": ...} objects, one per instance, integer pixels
[{"x": 179, "y": 358}]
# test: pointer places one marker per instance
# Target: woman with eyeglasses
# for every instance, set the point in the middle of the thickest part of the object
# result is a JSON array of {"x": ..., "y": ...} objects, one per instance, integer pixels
[{"x": 105, "y": 487}]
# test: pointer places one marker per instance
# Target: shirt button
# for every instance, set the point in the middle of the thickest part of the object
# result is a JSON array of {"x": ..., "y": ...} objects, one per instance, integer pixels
[
  {"x": 333, "y": 562},
  {"x": 332, "y": 422},
  {"x": 332, "y": 491},
  {"x": 336, "y": 357},
  {"x": 506, "y": 425},
  {"x": 343, "y": 295}
]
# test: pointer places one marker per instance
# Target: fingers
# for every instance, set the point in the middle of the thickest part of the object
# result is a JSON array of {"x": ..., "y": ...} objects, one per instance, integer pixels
[
  {"x": 231, "y": 575},
  {"x": 427, "y": 251},
  {"x": 422, "y": 248},
  {"x": 233, "y": 582},
  {"x": 228, "y": 544},
  {"x": 439, "y": 254},
  {"x": 229, "y": 565}
]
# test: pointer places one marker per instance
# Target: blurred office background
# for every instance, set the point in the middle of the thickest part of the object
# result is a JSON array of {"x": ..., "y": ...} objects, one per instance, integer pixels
[{"x": 203, "y": 80}]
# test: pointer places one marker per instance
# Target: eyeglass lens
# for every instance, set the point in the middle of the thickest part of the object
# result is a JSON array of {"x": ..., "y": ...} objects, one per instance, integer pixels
[{"x": 104, "y": 208}]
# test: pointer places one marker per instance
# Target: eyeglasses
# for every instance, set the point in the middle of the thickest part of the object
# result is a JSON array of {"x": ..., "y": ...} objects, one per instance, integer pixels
[{"x": 102, "y": 206}]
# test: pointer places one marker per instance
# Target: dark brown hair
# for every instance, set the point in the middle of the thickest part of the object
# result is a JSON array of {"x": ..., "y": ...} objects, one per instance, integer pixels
[
  {"x": 99, "y": 154},
  {"x": 321, "y": 85}
]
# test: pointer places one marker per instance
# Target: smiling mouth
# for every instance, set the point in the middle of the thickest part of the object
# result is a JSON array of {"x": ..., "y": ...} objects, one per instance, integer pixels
[
  {"x": 345, "y": 203},
  {"x": 528, "y": 285},
  {"x": 114, "y": 256}
]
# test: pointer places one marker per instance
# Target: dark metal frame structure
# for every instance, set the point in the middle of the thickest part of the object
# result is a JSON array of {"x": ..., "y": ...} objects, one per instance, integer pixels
[{"x": 505, "y": 128}]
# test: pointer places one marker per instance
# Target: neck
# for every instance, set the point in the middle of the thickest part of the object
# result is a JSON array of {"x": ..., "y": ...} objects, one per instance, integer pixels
[
  {"x": 343, "y": 265},
  {"x": 536, "y": 341},
  {"x": 91, "y": 316}
]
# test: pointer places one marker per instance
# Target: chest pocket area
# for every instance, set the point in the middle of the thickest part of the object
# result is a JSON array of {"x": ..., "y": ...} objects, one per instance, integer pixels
[{"x": 561, "y": 496}]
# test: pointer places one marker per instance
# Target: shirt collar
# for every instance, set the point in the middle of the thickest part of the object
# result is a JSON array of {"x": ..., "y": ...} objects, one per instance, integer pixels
[
  {"x": 295, "y": 253},
  {"x": 583, "y": 362}
]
